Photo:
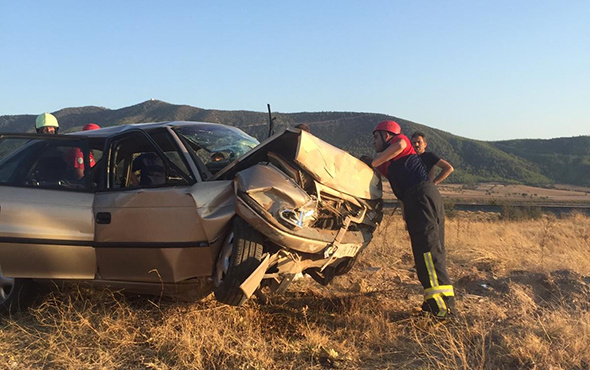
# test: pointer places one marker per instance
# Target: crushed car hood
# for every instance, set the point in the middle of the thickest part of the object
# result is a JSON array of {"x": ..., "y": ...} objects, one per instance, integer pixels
[{"x": 330, "y": 166}]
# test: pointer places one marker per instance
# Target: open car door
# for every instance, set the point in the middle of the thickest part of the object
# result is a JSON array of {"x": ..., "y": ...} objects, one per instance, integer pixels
[{"x": 147, "y": 225}]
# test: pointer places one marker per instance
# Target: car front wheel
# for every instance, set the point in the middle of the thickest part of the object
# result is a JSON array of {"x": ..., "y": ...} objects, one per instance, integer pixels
[
  {"x": 237, "y": 266},
  {"x": 15, "y": 294}
]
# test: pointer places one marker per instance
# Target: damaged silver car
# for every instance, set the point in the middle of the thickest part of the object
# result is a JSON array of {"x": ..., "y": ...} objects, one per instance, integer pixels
[{"x": 181, "y": 209}]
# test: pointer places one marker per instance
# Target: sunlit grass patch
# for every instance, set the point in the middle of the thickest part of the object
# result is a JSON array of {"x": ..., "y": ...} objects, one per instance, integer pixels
[{"x": 522, "y": 296}]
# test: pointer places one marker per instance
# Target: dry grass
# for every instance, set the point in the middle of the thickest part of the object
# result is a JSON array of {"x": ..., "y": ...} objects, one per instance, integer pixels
[
  {"x": 485, "y": 193},
  {"x": 523, "y": 295}
]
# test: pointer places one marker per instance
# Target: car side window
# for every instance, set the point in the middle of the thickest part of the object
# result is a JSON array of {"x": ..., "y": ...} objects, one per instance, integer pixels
[
  {"x": 137, "y": 163},
  {"x": 49, "y": 164},
  {"x": 11, "y": 163}
]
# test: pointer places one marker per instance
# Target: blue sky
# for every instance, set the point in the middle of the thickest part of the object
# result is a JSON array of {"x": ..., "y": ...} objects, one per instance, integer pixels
[{"x": 486, "y": 70}]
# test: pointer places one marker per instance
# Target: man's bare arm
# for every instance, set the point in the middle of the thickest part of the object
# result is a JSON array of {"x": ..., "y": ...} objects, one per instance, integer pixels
[
  {"x": 445, "y": 170},
  {"x": 389, "y": 153}
]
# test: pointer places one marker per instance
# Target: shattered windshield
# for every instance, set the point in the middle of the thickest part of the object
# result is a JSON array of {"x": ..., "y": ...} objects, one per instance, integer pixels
[{"x": 216, "y": 145}]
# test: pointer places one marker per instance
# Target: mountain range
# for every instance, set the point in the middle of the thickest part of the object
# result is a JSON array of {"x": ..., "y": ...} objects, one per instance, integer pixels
[{"x": 526, "y": 161}]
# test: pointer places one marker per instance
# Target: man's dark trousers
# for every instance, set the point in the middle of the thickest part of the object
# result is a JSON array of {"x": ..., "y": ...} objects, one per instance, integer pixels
[{"x": 425, "y": 218}]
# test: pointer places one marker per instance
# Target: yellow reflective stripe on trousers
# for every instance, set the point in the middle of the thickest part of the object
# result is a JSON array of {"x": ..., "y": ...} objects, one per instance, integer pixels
[
  {"x": 442, "y": 306},
  {"x": 444, "y": 290},
  {"x": 430, "y": 267}
]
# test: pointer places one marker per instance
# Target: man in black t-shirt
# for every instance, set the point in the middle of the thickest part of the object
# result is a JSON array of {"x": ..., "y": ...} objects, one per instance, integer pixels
[{"x": 430, "y": 159}]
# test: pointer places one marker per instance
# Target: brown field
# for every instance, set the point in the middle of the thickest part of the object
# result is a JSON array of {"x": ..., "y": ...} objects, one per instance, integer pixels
[
  {"x": 523, "y": 292},
  {"x": 484, "y": 193}
]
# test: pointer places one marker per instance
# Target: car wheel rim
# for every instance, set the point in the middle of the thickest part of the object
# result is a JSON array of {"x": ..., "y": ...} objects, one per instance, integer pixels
[{"x": 223, "y": 260}]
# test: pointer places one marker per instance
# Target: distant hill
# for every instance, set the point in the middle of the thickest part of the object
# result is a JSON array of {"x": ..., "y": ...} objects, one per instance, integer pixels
[
  {"x": 532, "y": 162},
  {"x": 565, "y": 160}
]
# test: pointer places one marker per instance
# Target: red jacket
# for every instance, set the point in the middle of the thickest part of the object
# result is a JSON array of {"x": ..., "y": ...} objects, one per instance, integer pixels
[{"x": 409, "y": 149}]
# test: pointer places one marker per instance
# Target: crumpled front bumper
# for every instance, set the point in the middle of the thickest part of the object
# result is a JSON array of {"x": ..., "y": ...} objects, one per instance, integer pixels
[{"x": 263, "y": 192}]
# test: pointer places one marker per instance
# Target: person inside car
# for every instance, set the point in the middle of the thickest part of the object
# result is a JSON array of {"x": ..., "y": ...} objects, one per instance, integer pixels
[
  {"x": 46, "y": 123},
  {"x": 151, "y": 170},
  {"x": 75, "y": 157}
]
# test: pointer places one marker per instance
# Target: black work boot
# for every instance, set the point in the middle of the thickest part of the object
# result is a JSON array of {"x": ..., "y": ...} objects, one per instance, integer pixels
[{"x": 430, "y": 306}]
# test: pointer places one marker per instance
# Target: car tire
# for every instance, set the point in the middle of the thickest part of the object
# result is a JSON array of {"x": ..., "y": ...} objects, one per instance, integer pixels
[
  {"x": 15, "y": 294},
  {"x": 346, "y": 265},
  {"x": 245, "y": 257}
]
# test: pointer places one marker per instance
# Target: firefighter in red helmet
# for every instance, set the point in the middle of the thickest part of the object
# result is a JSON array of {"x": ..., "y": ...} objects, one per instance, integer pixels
[
  {"x": 90, "y": 126},
  {"x": 75, "y": 157},
  {"x": 423, "y": 212}
]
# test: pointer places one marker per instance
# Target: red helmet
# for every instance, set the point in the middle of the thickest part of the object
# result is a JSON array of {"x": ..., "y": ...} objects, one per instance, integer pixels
[
  {"x": 90, "y": 126},
  {"x": 389, "y": 126}
]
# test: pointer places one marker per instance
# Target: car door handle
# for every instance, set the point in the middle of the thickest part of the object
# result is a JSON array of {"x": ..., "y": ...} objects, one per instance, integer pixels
[{"x": 103, "y": 218}]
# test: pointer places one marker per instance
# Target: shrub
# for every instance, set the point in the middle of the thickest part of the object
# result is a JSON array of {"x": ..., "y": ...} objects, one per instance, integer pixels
[{"x": 516, "y": 213}]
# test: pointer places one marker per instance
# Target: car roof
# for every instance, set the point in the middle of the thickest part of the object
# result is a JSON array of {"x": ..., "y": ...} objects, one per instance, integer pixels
[{"x": 114, "y": 130}]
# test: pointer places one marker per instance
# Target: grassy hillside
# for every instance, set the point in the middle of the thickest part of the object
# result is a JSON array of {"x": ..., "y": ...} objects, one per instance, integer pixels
[
  {"x": 533, "y": 162},
  {"x": 566, "y": 160}
]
